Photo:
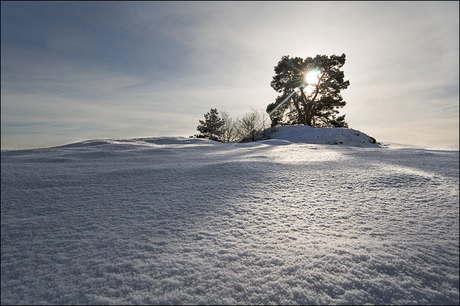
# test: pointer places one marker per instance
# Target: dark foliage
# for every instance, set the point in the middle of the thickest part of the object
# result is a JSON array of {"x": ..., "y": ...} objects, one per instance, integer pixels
[
  {"x": 313, "y": 104},
  {"x": 211, "y": 126}
]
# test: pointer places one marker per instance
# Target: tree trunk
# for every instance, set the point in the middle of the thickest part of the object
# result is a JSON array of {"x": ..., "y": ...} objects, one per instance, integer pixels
[
  {"x": 312, "y": 111},
  {"x": 307, "y": 106},
  {"x": 299, "y": 111}
]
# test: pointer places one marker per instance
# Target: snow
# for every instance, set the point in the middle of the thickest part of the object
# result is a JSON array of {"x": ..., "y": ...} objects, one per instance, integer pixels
[
  {"x": 335, "y": 136},
  {"x": 191, "y": 221}
]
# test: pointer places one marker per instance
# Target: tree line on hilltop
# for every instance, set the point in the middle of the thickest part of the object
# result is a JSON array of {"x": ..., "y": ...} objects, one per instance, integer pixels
[
  {"x": 309, "y": 94},
  {"x": 226, "y": 129}
]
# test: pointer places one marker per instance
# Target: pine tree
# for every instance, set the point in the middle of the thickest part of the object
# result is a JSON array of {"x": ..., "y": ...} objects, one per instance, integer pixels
[
  {"x": 317, "y": 83},
  {"x": 211, "y": 126}
]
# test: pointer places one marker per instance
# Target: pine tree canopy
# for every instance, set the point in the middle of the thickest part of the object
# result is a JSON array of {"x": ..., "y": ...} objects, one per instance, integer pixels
[
  {"x": 317, "y": 83},
  {"x": 211, "y": 126}
]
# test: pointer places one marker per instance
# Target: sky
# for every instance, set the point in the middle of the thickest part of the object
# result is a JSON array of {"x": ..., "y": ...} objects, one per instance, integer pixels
[{"x": 74, "y": 71}]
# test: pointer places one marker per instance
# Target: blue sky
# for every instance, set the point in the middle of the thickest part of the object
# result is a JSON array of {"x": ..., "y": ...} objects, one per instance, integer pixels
[{"x": 72, "y": 71}]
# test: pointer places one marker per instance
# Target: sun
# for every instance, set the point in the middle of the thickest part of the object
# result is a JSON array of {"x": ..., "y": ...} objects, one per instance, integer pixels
[{"x": 312, "y": 77}]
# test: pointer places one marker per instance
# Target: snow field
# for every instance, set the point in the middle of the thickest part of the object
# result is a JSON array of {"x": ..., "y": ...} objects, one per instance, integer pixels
[{"x": 190, "y": 221}]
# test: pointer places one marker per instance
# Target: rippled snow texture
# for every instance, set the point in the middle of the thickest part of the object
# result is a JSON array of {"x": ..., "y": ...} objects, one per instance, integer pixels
[{"x": 184, "y": 221}]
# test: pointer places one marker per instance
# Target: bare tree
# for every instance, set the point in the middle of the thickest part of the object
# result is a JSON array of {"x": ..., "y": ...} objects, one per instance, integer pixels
[
  {"x": 266, "y": 122},
  {"x": 251, "y": 125},
  {"x": 229, "y": 133}
]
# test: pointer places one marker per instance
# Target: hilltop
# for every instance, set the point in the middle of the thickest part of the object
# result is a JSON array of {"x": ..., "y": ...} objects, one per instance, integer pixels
[{"x": 311, "y": 135}]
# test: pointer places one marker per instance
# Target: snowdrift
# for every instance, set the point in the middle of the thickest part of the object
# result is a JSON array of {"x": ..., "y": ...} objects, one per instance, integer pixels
[{"x": 334, "y": 136}]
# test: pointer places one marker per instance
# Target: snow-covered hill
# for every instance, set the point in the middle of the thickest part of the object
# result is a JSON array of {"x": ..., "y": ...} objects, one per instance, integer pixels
[
  {"x": 190, "y": 221},
  {"x": 308, "y": 134}
]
